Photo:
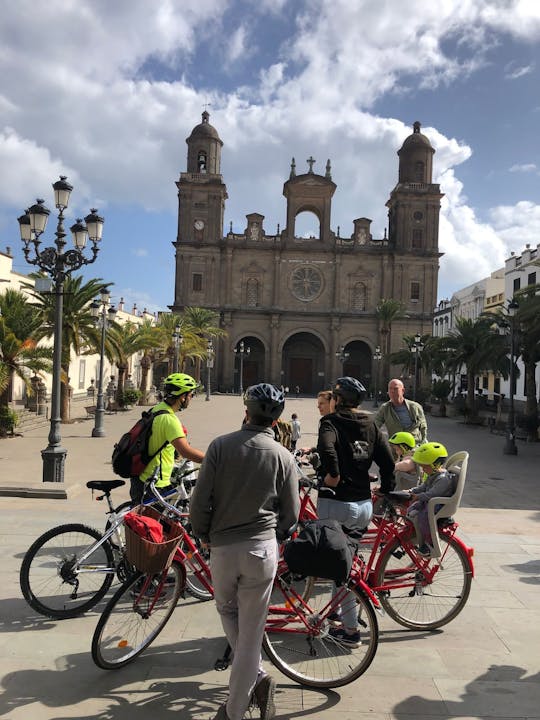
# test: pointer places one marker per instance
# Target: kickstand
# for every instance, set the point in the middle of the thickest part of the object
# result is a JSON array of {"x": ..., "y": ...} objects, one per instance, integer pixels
[{"x": 223, "y": 663}]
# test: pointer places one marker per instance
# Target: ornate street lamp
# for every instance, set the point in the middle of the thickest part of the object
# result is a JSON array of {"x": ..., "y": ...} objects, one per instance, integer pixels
[
  {"x": 377, "y": 357},
  {"x": 103, "y": 316},
  {"x": 209, "y": 366},
  {"x": 510, "y": 447},
  {"x": 58, "y": 263},
  {"x": 177, "y": 342},
  {"x": 242, "y": 351},
  {"x": 416, "y": 349},
  {"x": 342, "y": 356}
]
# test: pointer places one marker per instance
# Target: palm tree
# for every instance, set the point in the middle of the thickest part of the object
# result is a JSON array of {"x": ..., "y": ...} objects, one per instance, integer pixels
[
  {"x": 201, "y": 325},
  {"x": 19, "y": 351},
  {"x": 387, "y": 311},
  {"x": 78, "y": 326},
  {"x": 527, "y": 321},
  {"x": 477, "y": 346},
  {"x": 123, "y": 342}
]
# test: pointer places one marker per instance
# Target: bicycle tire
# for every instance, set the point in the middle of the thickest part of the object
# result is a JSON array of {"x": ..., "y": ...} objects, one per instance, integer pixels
[
  {"x": 47, "y": 576},
  {"x": 421, "y": 606},
  {"x": 193, "y": 585},
  {"x": 124, "y": 630},
  {"x": 319, "y": 660}
]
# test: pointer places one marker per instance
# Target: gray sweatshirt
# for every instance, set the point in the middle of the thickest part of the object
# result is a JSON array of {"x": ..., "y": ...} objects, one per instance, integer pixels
[
  {"x": 440, "y": 484},
  {"x": 247, "y": 489}
]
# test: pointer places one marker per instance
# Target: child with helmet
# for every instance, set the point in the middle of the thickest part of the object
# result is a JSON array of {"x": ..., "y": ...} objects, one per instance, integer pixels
[
  {"x": 406, "y": 471},
  {"x": 438, "y": 482}
]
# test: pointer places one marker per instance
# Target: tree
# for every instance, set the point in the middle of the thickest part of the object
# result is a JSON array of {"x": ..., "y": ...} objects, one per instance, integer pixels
[
  {"x": 477, "y": 346},
  {"x": 387, "y": 311},
  {"x": 123, "y": 341},
  {"x": 527, "y": 324},
  {"x": 79, "y": 333},
  {"x": 19, "y": 350},
  {"x": 201, "y": 325}
]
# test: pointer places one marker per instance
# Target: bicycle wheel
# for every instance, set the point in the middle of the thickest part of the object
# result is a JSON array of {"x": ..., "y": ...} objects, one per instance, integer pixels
[
  {"x": 52, "y": 580},
  {"x": 306, "y": 652},
  {"x": 418, "y": 603},
  {"x": 193, "y": 585},
  {"x": 131, "y": 621}
]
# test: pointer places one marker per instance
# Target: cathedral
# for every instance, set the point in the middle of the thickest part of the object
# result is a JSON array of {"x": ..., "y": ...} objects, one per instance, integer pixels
[{"x": 304, "y": 308}]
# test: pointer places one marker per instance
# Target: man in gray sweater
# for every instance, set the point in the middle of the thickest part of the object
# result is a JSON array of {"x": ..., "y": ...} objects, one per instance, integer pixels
[{"x": 245, "y": 499}]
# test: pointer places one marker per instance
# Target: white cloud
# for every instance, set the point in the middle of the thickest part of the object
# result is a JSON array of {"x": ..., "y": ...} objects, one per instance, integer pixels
[
  {"x": 524, "y": 168},
  {"x": 140, "y": 252}
]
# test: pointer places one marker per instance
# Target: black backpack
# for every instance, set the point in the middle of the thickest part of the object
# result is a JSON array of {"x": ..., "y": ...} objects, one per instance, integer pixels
[
  {"x": 322, "y": 550},
  {"x": 130, "y": 455}
]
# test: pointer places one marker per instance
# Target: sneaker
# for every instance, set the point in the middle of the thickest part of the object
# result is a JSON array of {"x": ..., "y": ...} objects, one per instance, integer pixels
[
  {"x": 345, "y": 638},
  {"x": 424, "y": 550},
  {"x": 334, "y": 618},
  {"x": 264, "y": 697},
  {"x": 221, "y": 713}
]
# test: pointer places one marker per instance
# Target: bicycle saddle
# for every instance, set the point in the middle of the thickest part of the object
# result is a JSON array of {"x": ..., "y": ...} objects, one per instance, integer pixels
[{"x": 105, "y": 485}]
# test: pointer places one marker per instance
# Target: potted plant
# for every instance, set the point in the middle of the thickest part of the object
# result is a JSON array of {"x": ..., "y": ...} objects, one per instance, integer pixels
[
  {"x": 8, "y": 421},
  {"x": 130, "y": 397}
]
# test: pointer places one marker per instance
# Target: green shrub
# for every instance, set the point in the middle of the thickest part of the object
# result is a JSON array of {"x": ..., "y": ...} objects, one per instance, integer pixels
[
  {"x": 131, "y": 396},
  {"x": 8, "y": 420}
]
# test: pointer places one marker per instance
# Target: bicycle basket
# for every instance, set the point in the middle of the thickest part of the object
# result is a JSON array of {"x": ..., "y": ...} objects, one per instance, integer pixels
[{"x": 152, "y": 557}]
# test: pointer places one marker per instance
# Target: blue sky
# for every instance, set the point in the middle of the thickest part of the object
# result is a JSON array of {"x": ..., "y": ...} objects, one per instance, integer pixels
[{"x": 106, "y": 93}]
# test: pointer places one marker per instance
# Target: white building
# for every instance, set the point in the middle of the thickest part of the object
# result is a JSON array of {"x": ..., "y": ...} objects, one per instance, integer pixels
[{"x": 84, "y": 369}]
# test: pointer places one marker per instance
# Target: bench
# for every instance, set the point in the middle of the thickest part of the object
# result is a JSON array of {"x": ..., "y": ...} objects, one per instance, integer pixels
[{"x": 90, "y": 410}]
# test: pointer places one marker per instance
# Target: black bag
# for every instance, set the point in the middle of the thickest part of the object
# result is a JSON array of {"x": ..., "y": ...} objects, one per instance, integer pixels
[
  {"x": 322, "y": 550},
  {"x": 130, "y": 455}
]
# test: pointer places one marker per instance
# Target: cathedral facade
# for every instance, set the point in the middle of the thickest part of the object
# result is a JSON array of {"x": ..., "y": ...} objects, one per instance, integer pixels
[{"x": 305, "y": 308}]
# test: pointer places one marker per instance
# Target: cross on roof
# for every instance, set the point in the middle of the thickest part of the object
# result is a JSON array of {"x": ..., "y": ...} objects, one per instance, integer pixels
[{"x": 310, "y": 162}]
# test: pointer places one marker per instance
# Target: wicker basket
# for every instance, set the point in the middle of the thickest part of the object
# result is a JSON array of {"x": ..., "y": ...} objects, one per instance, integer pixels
[{"x": 151, "y": 557}]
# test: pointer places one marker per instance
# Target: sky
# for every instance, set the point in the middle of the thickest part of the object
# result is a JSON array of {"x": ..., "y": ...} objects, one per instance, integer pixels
[{"x": 106, "y": 92}]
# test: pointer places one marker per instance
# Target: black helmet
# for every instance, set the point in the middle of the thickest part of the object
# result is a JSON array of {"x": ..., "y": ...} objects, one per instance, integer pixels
[
  {"x": 264, "y": 400},
  {"x": 351, "y": 390}
]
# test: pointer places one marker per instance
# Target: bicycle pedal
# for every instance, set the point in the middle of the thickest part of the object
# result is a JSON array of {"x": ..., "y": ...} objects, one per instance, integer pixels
[{"x": 398, "y": 554}]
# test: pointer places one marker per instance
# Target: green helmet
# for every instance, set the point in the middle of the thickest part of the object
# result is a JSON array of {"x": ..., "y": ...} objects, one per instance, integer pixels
[
  {"x": 178, "y": 384},
  {"x": 402, "y": 438},
  {"x": 431, "y": 453}
]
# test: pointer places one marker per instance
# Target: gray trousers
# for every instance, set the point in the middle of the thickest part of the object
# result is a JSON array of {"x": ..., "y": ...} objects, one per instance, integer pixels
[{"x": 242, "y": 576}]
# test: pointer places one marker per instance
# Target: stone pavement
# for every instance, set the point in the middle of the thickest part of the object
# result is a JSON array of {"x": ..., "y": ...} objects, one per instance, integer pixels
[{"x": 485, "y": 664}]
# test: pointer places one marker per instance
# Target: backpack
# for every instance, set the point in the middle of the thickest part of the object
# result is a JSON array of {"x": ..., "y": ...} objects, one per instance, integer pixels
[
  {"x": 130, "y": 455},
  {"x": 322, "y": 550},
  {"x": 145, "y": 526}
]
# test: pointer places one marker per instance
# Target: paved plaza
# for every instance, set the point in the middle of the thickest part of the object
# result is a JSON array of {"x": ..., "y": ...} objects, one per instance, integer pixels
[{"x": 485, "y": 664}]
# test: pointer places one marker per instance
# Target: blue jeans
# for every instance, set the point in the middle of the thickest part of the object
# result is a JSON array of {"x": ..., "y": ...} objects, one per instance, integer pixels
[{"x": 354, "y": 516}]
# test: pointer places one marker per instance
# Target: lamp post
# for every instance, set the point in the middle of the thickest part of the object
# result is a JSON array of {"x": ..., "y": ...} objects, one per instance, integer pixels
[
  {"x": 209, "y": 366},
  {"x": 416, "y": 349},
  {"x": 242, "y": 351},
  {"x": 58, "y": 263},
  {"x": 103, "y": 315},
  {"x": 177, "y": 342},
  {"x": 377, "y": 357},
  {"x": 342, "y": 356},
  {"x": 510, "y": 447}
]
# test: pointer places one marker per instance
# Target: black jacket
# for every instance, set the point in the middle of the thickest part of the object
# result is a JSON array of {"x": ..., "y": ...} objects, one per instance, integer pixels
[{"x": 337, "y": 435}]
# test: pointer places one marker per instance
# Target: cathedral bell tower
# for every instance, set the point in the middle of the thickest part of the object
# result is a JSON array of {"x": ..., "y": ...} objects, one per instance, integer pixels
[{"x": 201, "y": 206}]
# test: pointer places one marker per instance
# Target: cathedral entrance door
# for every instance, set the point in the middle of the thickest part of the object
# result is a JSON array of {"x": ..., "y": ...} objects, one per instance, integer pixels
[{"x": 301, "y": 374}]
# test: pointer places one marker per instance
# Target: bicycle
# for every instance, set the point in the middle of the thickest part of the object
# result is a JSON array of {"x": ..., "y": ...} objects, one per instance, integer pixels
[
  {"x": 297, "y": 639},
  {"x": 69, "y": 569}
]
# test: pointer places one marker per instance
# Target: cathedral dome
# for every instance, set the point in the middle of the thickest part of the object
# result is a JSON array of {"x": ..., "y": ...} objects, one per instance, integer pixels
[
  {"x": 417, "y": 139},
  {"x": 204, "y": 129}
]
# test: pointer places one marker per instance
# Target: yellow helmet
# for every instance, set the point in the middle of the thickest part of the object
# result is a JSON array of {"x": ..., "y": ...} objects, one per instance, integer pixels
[
  {"x": 430, "y": 453},
  {"x": 403, "y": 438}
]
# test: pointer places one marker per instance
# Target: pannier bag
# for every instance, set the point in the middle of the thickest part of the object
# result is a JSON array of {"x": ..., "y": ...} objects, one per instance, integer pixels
[{"x": 322, "y": 550}]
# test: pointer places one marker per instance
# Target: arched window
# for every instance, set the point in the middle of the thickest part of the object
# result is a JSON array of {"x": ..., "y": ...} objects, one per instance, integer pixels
[
  {"x": 417, "y": 239},
  {"x": 419, "y": 171},
  {"x": 252, "y": 292},
  {"x": 359, "y": 297},
  {"x": 201, "y": 161}
]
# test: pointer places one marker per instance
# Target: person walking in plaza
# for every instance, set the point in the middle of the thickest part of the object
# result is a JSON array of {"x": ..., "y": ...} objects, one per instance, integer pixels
[
  {"x": 245, "y": 502},
  {"x": 168, "y": 435},
  {"x": 400, "y": 414},
  {"x": 295, "y": 431},
  {"x": 349, "y": 441}
]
